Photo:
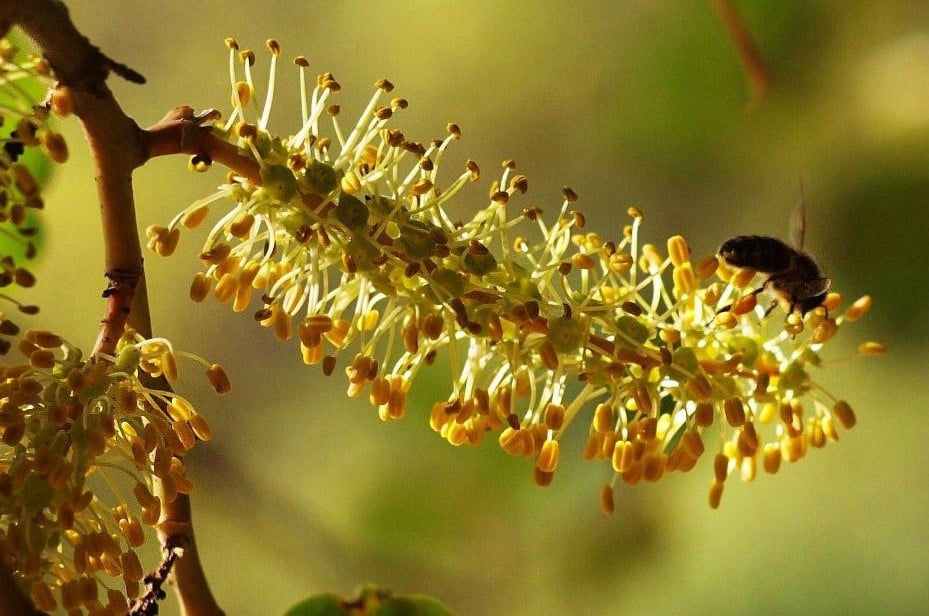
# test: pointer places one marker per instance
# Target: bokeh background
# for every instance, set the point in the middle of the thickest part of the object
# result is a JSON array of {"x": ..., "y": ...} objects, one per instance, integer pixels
[{"x": 634, "y": 103}]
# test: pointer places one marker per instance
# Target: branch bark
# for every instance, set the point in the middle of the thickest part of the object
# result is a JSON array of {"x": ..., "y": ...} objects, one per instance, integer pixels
[
  {"x": 118, "y": 147},
  {"x": 182, "y": 132}
]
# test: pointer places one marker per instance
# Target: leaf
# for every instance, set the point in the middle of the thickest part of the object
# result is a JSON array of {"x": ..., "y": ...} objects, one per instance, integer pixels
[
  {"x": 411, "y": 605},
  {"x": 371, "y": 602},
  {"x": 320, "y": 605}
]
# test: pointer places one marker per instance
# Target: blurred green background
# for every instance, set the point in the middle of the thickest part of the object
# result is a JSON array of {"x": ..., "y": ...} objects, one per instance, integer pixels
[{"x": 638, "y": 103}]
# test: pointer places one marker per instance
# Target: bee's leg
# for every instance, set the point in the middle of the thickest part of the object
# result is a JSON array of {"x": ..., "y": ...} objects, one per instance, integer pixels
[
  {"x": 772, "y": 307},
  {"x": 798, "y": 307},
  {"x": 728, "y": 307}
]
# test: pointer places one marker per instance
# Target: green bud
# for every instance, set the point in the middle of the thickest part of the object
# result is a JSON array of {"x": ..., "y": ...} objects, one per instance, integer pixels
[
  {"x": 321, "y": 178},
  {"x": 747, "y": 347},
  {"x": 362, "y": 251},
  {"x": 127, "y": 360},
  {"x": 294, "y": 221},
  {"x": 416, "y": 240},
  {"x": 36, "y": 493},
  {"x": 632, "y": 332},
  {"x": 279, "y": 182},
  {"x": 520, "y": 291},
  {"x": 449, "y": 281},
  {"x": 566, "y": 335},
  {"x": 479, "y": 264},
  {"x": 686, "y": 359},
  {"x": 794, "y": 378},
  {"x": 684, "y": 365},
  {"x": 381, "y": 207},
  {"x": 351, "y": 212}
]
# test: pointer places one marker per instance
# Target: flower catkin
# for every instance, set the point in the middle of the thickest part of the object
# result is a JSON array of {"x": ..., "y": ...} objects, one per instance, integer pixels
[
  {"x": 348, "y": 245},
  {"x": 81, "y": 444}
]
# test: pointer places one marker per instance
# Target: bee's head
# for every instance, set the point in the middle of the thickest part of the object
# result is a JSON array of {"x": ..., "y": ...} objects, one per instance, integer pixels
[{"x": 734, "y": 249}]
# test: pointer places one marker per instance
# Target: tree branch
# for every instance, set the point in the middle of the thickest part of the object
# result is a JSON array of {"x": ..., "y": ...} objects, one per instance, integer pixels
[
  {"x": 118, "y": 146},
  {"x": 176, "y": 531},
  {"x": 182, "y": 132},
  {"x": 49, "y": 24}
]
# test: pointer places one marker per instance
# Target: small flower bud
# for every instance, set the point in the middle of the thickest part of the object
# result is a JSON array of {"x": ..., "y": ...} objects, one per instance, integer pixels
[
  {"x": 844, "y": 413},
  {"x": 55, "y": 146},
  {"x": 858, "y": 309},
  {"x": 678, "y": 250},
  {"x": 218, "y": 379},
  {"x": 607, "y": 501},
  {"x": 873, "y": 349},
  {"x": 547, "y": 460}
]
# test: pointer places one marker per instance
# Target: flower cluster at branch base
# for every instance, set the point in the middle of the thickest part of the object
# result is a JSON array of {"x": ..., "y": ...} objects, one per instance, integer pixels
[
  {"x": 81, "y": 444},
  {"x": 348, "y": 241}
]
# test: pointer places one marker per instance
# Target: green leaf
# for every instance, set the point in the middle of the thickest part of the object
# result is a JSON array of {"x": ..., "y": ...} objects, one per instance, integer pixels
[
  {"x": 411, "y": 605},
  {"x": 320, "y": 605},
  {"x": 371, "y": 602}
]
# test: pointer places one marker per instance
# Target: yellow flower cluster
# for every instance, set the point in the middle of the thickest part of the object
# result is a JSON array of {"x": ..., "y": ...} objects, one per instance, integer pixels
[
  {"x": 348, "y": 235},
  {"x": 81, "y": 443},
  {"x": 23, "y": 125}
]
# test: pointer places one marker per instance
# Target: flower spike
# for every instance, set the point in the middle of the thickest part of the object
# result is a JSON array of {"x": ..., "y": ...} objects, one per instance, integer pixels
[{"x": 347, "y": 243}]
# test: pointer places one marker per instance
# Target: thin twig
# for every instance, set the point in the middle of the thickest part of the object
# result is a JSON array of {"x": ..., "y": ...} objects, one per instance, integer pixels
[
  {"x": 756, "y": 71},
  {"x": 155, "y": 581},
  {"x": 183, "y": 132}
]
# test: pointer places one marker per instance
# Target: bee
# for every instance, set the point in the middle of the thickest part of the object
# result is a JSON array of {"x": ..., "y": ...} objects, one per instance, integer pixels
[{"x": 794, "y": 276}]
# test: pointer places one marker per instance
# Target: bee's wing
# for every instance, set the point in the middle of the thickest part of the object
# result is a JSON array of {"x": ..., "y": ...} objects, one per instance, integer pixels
[
  {"x": 814, "y": 287},
  {"x": 798, "y": 222}
]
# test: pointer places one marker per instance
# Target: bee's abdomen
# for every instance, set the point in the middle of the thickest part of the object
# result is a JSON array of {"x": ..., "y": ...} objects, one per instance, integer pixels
[{"x": 759, "y": 252}]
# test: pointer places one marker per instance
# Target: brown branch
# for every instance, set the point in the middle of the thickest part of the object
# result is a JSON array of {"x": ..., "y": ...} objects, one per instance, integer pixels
[
  {"x": 155, "y": 581},
  {"x": 119, "y": 294},
  {"x": 756, "y": 71},
  {"x": 49, "y": 24},
  {"x": 176, "y": 531},
  {"x": 182, "y": 132},
  {"x": 118, "y": 146},
  {"x": 117, "y": 143}
]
